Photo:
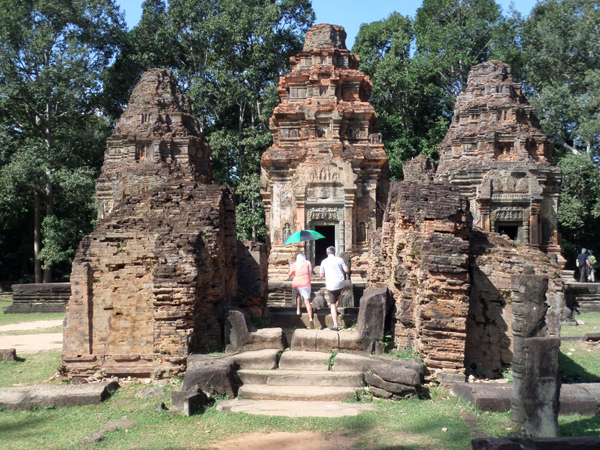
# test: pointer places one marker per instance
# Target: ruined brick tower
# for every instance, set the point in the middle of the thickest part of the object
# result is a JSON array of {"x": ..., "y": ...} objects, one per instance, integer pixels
[
  {"x": 327, "y": 169},
  {"x": 497, "y": 154},
  {"x": 146, "y": 283}
]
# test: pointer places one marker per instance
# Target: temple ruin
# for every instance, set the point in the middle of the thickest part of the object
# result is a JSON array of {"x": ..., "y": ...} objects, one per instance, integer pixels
[
  {"x": 327, "y": 169},
  {"x": 451, "y": 239},
  {"x": 146, "y": 284},
  {"x": 498, "y": 156}
]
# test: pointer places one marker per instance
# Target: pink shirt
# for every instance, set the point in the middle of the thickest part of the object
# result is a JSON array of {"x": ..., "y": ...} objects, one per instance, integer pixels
[{"x": 302, "y": 278}]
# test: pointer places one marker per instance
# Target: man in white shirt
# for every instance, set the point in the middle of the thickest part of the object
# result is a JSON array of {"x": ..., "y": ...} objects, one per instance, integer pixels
[{"x": 333, "y": 269}]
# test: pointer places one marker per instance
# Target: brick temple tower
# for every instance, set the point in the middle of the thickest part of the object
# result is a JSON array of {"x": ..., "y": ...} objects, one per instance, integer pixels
[
  {"x": 327, "y": 169},
  {"x": 497, "y": 154}
]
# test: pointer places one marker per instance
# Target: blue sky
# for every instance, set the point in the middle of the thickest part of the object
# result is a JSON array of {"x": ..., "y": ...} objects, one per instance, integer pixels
[{"x": 348, "y": 13}]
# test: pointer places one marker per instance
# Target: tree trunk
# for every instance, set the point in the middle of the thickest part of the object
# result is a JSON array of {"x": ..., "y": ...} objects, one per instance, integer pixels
[
  {"x": 37, "y": 241},
  {"x": 49, "y": 213}
]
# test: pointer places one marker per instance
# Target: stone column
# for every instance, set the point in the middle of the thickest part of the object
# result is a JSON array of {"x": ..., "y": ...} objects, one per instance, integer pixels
[
  {"x": 534, "y": 223},
  {"x": 529, "y": 310},
  {"x": 541, "y": 386},
  {"x": 484, "y": 210}
]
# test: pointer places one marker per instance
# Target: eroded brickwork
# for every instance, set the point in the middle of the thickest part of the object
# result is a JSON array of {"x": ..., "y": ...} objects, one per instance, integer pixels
[
  {"x": 424, "y": 252},
  {"x": 497, "y": 154},
  {"x": 146, "y": 283},
  {"x": 493, "y": 260},
  {"x": 327, "y": 167},
  {"x": 452, "y": 283}
]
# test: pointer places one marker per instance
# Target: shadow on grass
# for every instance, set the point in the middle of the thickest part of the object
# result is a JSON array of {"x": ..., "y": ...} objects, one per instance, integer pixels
[
  {"x": 587, "y": 426},
  {"x": 571, "y": 372},
  {"x": 19, "y": 428}
]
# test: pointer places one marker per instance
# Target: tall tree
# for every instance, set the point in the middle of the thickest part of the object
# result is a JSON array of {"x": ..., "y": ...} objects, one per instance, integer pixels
[
  {"x": 561, "y": 48},
  {"x": 52, "y": 57},
  {"x": 408, "y": 100},
  {"x": 454, "y": 35}
]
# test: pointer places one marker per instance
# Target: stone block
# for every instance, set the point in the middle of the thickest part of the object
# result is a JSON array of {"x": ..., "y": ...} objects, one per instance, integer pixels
[
  {"x": 214, "y": 376},
  {"x": 41, "y": 396},
  {"x": 394, "y": 388},
  {"x": 8, "y": 354},
  {"x": 264, "y": 338},
  {"x": 396, "y": 374},
  {"x": 190, "y": 402},
  {"x": 259, "y": 359}
]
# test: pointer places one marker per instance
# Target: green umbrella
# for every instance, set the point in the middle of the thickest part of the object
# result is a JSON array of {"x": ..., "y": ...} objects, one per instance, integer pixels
[{"x": 304, "y": 235}]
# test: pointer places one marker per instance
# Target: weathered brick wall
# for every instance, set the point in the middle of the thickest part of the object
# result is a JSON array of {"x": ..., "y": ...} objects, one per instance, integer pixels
[
  {"x": 493, "y": 260},
  {"x": 146, "y": 283},
  {"x": 423, "y": 250},
  {"x": 451, "y": 283}
]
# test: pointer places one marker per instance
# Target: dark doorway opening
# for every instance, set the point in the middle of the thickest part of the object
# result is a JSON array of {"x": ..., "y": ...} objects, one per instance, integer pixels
[
  {"x": 321, "y": 244},
  {"x": 512, "y": 231}
]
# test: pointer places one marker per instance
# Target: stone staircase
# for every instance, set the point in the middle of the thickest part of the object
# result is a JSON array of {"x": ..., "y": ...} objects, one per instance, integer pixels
[
  {"x": 582, "y": 298},
  {"x": 301, "y": 376}
]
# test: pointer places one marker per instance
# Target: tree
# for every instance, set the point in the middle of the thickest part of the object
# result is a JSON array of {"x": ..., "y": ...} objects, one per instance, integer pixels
[
  {"x": 454, "y": 35},
  {"x": 52, "y": 57},
  {"x": 410, "y": 104},
  {"x": 561, "y": 48}
]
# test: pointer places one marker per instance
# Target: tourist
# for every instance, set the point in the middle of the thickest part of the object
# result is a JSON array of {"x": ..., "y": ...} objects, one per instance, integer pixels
[
  {"x": 333, "y": 269},
  {"x": 582, "y": 263},
  {"x": 591, "y": 267},
  {"x": 301, "y": 270}
]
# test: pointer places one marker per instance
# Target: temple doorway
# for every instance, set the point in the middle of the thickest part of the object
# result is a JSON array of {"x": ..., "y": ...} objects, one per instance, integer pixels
[
  {"x": 512, "y": 230},
  {"x": 321, "y": 244}
]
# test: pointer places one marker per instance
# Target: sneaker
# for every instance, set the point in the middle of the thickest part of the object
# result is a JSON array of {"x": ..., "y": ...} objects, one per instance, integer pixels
[
  {"x": 311, "y": 324},
  {"x": 298, "y": 313},
  {"x": 335, "y": 328}
]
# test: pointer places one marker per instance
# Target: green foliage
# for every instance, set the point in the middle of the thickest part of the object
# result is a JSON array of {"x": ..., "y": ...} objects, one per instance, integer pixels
[
  {"x": 408, "y": 354},
  {"x": 560, "y": 42},
  {"x": 579, "y": 210},
  {"x": 52, "y": 59}
]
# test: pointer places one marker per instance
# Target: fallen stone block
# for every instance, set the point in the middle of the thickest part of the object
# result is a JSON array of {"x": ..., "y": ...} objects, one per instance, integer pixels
[
  {"x": 189, "y": 403},
  {"x": 213, "y": 375},
  {"x": 41, "y": 396},
  {"x": 396, "y": 374},
  {"x": 592, "y": 337},
  {"x": 415, "y": 364},
  {"x": 151, "y": 392},
  {"x": 395, "y": 388},
  {"x": 577, "y": 398},
  {"x": 485, "y": 396},
  {"x": 380, "y": 393},
  {"x": 8, "y": 354}
]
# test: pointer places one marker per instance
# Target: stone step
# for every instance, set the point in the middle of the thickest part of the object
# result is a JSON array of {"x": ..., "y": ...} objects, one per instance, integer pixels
[
  {"x": 300, "y": 360},
  {"x": 301, "y": 378},
  {"x": 287, "y": 318},
  {"x": 306, "y": 393}
]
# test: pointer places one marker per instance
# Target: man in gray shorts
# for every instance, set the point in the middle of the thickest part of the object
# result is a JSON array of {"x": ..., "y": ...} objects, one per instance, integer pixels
[{"x": 333, "y": 269}]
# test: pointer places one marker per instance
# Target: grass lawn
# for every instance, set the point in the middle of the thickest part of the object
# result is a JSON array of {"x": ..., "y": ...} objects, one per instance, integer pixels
[
  {"x": 413, "y": 424},
  {"x": 591, "y": 324},
  {"x": 16, "y": 318}
]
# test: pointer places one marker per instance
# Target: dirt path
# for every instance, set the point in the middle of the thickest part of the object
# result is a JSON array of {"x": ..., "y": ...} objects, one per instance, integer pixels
[
  {"x": 288, "y": 441},
  {"x": 32, "y": 343}
]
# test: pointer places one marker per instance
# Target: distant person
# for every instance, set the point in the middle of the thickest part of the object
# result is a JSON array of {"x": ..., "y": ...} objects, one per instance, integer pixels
[
  {"x": 333, "y": 269},
  {"x": 582, "y": 263},
  {"x": 591, "y": 267},
  {"x": 301, "y": 270}
]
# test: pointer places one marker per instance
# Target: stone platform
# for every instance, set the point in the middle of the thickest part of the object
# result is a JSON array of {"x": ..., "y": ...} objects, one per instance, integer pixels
[
  {"x": 580, "y": 398},
  {"x": 39, "y": 298},
  {"x": 582, "y": 298}
]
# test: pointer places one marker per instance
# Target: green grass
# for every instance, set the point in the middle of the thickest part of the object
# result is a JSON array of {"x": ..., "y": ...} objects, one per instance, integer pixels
[
  {"x": 579, "y": 362},
  {"x": 591, "y": 325},
  {"x": 6, "y": 319},
  {"x": 30, "y": 368},
  {"x": 412, "y": 423}
]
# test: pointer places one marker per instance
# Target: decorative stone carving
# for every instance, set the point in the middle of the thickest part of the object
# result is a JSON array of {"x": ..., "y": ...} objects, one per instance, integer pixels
[
  {"x": 496, "y": 153},
  {"x": 326, "y": 141}
]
